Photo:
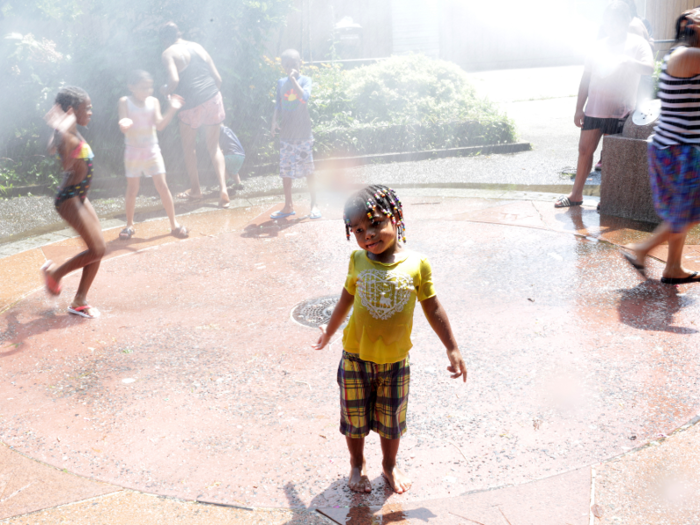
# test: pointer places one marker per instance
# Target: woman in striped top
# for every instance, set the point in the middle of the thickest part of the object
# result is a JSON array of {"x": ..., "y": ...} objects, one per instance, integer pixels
[{"x": 674, "y": 157}]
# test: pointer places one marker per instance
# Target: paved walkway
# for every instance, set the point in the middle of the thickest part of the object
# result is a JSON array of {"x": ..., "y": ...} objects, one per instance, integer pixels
[{"x": 196, "y": 399}]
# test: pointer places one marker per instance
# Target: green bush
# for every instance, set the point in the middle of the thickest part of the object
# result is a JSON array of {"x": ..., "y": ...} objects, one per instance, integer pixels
[{"x": 407, "y": 103}]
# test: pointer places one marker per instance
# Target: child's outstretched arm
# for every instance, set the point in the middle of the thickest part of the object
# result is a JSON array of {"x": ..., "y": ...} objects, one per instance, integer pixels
[
  {"x": 175, "y": 105},
  {"x": 340, "y": 312},
  {"x": 125, "y": 122},
  {"x": 437, "y": 317},
  {"x": 64, "y": 122}
]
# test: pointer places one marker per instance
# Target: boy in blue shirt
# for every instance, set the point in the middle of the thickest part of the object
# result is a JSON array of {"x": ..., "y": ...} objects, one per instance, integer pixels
[{"x": 292, "y": 119}]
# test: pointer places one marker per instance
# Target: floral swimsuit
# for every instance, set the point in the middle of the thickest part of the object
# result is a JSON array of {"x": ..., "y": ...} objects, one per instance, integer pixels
[{"x": 80, "y": 190}]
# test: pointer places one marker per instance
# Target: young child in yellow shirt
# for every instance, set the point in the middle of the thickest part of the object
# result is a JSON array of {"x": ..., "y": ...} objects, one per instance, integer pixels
[{"x": 384, "y": 280}]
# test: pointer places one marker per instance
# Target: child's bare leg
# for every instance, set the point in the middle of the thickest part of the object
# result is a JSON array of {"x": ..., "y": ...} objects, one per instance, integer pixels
[
  {"x": 399, "y": 481},
  {"x": 166, "y": 198},
  {"x": 83, "y": 219},
  {"x": 311, "y": 183},
  {"x": 358, "y": 482},
  {"x": 288, "y": 204},
  {"x": 132, "y": 190}
]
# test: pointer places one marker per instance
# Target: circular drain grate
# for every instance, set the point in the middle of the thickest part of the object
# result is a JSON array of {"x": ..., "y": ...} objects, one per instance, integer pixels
[{"x": 315, "y": 312}]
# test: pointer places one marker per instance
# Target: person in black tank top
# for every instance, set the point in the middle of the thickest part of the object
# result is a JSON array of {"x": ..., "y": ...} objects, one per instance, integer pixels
[{"x": 193, "y": 76}]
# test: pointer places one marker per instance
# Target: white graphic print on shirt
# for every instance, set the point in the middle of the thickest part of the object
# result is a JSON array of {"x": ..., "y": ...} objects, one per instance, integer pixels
[{"x": 384, "y": 293}]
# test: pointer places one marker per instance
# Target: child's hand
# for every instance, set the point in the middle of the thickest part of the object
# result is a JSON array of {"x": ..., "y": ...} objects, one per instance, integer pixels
[
  {"x": 322, "y": 340},
  {"x": 60, "y": 120},
  {"x": 176, "y": 102},
  {"x": 457, "y": 367},
  {"x": 125, "y": 124},
  {"x": 578, "y": 118},
  {"x": 293, "y": 74}
]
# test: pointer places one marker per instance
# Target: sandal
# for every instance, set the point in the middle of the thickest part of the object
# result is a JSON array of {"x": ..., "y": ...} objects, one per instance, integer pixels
[
  {"x": 692, "y": 278},
  {"x": 126, "y": 234},
  {"x": 86, "y": 311},
  {"x": 52, "y": 287},
  {"x": 224, "y": 204},
  {"x": 280, "y": 215},
  {"x": 180, "y": 232},
  {"x": 565, "y": 202}
]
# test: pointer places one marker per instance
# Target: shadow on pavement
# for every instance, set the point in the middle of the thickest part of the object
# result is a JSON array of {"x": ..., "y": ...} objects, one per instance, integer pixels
[{"x": 652, "y": 306}]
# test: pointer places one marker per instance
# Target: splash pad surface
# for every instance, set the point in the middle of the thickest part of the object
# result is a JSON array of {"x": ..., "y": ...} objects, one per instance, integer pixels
[{"x": 196, "y": 383}]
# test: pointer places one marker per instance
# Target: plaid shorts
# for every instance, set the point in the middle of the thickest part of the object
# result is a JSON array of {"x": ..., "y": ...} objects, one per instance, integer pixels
[{"x": 373, "y": 397}]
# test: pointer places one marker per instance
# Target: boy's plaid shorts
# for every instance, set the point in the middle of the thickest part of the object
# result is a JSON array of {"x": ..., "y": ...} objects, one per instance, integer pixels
[{"x": 373, "y": 397}]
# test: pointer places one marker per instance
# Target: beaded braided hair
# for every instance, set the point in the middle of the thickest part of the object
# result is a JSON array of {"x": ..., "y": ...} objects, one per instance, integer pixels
[{"x": 376, "y": 198}]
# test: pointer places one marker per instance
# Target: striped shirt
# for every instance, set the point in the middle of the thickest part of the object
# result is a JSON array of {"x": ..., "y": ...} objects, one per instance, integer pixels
[{"x": 679, "y": 122}]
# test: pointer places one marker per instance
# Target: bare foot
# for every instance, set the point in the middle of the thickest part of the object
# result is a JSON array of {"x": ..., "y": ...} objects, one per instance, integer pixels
[
  {"x": 224, "y": 201},
  {"x": 359, "y": 482},
  {"x": 190, "y": 195},
  {"x": 398, "y": 481}
]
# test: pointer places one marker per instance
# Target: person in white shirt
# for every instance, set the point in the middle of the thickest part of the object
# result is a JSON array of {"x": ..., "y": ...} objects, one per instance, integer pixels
[{"x": 608, "y": 90}]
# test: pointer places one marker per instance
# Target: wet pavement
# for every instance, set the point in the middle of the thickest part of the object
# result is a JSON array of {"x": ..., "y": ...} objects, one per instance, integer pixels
[{"x": 196, "y": 384}]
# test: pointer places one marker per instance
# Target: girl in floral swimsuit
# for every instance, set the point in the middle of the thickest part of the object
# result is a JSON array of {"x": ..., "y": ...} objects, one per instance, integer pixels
[{"x": 73, "y": 108}]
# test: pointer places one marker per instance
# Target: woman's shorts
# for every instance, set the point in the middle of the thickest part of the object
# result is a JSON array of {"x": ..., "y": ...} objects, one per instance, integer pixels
[
  {"x": 675, "y": 184},
  {"x": 373, "y": 397},
  {"x": 296, "y": 158},
  {"x": 209, "y": 113},
  {"x": 143, "y": 161},
  {"x": 609, "y": 126},
  {"x": 234, "y": 163}
]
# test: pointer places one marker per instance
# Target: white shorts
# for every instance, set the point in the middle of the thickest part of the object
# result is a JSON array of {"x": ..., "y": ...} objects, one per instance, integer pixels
[{"x": 143, "y": 161}]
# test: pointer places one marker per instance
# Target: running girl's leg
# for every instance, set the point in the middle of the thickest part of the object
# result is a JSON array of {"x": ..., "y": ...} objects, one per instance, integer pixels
[
  {"x": 83, "y": 219},
  {"x": 166, "y": 198},
  {"x": 188, "y": 137},
  {"x": 212, "y": 134},
  {"x": 132, "y": 190}
]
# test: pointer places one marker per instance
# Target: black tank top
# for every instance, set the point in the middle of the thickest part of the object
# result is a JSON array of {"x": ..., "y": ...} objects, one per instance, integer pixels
[{"x": 197, "y": 85}]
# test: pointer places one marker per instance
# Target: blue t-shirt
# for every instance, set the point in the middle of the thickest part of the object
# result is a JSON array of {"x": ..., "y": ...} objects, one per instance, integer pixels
[
  {"x": 293, "y": 110},
  {"x": 230, "y": 145}
]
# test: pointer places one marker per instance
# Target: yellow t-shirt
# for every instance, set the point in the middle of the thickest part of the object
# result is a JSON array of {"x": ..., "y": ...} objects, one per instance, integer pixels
[{"x": 385, "y": 297}]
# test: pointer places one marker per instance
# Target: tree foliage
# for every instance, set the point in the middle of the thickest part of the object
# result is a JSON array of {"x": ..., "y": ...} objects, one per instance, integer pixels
[{"x": 95, "y": 43}]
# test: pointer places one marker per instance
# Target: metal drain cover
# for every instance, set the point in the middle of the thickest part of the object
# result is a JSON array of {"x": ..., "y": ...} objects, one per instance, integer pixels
[{"x": 315, "y": 312}]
